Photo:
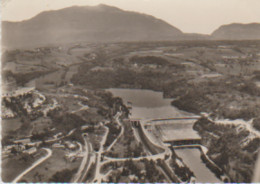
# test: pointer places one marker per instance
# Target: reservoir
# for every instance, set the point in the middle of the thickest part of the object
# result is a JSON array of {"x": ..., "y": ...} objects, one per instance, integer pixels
[{"x": 148, "y": 104}]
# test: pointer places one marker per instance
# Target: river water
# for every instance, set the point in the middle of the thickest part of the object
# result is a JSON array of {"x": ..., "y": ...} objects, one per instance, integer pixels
[
  {"x": 148, "y": 104},
  {"x": 191, "y": 157},
  {"x": 54, "y": 78}
]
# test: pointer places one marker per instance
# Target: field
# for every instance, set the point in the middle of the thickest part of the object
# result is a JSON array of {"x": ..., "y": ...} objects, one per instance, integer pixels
[
  {"x": 57, "y": 162},
  {"x": 10, "y": 125},
  {"x": 216, "y": 78},
  {"x": 133, "y": 171},
  {"x": 15, "y": 165},
  {"x": 126, "y": 145}
]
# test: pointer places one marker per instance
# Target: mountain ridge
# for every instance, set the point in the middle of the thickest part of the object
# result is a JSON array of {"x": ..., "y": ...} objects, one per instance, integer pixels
[
  {"x": 101, "y": 23},
  {"x": 92, "y": 24},
  {"x": 237, "y": 31}
]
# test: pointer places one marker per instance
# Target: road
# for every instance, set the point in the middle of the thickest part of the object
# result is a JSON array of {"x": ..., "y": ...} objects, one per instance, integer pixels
[
  {"x": 149, "y": 157},
  {"x": 35, "y": 164},
  {"x": 153, "y": 149},
  {"x": 97, "y": 173},
  {"x": 82, "y": 107},
  {"x": 85, "y": 162},
  {"x": 98, "y": 176},
  {"x": 80, "y": 147},
  {"x": 152, "y": 156},
  {"x": 65, "y": 95},
  {"x": 239, "y": 122},
  {"x": 71, "y": 132},
  {"x": 121, "y": 132},
  {"x": 256, "y": 177},
  {"x": 48, "y": 108}
]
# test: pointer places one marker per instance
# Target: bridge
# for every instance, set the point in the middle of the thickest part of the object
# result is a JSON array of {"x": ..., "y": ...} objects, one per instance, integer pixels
[
  {"x": 160, "y": 121},
  {"x": 184, "y": 142},
  {"x": 194, "y": 146},
  {"x": 177, "y": 118}
]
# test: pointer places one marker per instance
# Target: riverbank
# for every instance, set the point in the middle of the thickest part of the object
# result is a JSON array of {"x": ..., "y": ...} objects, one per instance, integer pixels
[
  {"x": 196, "y": 76},
  {"x": 236, "y": 150},
  {"x": 150, "y": 104}
]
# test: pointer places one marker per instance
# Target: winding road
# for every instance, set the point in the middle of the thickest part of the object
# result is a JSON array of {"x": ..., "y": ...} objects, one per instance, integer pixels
[
  {"x": 152, "y": 156},
  {"x": 82, "y": 107},
  {"x": 97, "y": 173},
  {"x": 85, "y": 162},
  {"x": 35, "y": 164},
  {"x": 148, "y": 157},
  {"x": 121, "y": 132}
]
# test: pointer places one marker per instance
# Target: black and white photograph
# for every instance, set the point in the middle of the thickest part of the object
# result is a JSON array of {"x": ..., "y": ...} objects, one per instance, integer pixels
[{"x": 130, "y": 91}]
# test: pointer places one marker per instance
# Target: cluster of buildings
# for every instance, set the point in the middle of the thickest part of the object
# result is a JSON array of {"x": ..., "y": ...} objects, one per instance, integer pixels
[
  {"x": 22, "y": 146},
  {"x": 72, "y": 149},
  {"x": 10, "y": 89},
  {"x": 7, "y": 113},
  {"x": 17, "y": 92},
  {"x": 28, "y": 103}
]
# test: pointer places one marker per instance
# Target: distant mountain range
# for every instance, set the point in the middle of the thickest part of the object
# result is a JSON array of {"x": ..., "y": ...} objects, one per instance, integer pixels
[
  {"x": 237, "y": 32},
  {"x": 104, "y": 23}
]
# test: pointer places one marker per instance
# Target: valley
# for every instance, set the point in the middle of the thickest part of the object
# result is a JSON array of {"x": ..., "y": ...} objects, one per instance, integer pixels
[{"x": 98, "y": 89}]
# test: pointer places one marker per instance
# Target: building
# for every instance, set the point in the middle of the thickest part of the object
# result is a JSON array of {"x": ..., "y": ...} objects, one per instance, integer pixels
[
  {"x": 56, "y": 136},
  {"x": 70, "y": 145},
  {"x": 14, "y": 92},
  {"x": 58, "y": 145},
  {"x": 37, "y": 143},
  {"x": 8, "y": 87},
  {"x": 31, "y": 150},
  {"x": 7, "y": 113},
  {"x": 135, "y": 122},
  {"x": 24, "y": 91},
  {"x": 19, "y": 147},
  {"x": 23, "y": 141}
]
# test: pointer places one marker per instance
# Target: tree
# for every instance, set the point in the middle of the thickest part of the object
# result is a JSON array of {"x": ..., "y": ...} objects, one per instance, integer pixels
[
  {"x": 62, "y": 176},
  {"x": 26, "y": 157},
  {"x": 125, "y": 172},
  {"x": 14, "y": 151},
  {"x": 27, "y": 147},
  {"x": 110, "y": 179},
  {"x": 256, "y": 124}
]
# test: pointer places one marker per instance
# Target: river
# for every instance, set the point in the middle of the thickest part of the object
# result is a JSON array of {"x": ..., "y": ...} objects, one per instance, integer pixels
[
  {"x": 54, "y": 78},
  {"x": 191, "y": 157},
  {"x": 148, "y": 104}
]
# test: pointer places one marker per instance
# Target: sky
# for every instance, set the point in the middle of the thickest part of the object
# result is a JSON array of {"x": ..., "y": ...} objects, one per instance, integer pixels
[{"x": 190, "y": 16}]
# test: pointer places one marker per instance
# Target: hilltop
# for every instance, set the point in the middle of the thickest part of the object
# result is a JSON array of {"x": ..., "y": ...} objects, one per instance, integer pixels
[
  {"x": 100, "y": 23},
  {"x": 103, "y": 23},
  {"x": 237, "y": 31}
]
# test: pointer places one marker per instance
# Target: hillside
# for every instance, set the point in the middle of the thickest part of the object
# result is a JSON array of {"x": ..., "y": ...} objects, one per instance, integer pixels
[
  {"x": 100, "y": 23},
  {"x": 104, "y": 23},
  {"x": 237, "y": 32}
]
